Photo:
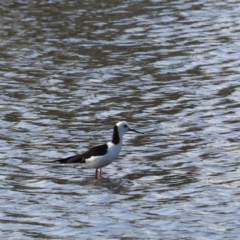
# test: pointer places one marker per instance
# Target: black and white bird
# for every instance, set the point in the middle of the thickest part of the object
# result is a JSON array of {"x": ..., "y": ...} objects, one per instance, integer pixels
[{"x": 102, "y": 155}]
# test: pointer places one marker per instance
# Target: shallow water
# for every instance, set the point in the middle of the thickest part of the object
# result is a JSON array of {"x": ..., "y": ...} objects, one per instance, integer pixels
[{"x": 70, "y": 71}]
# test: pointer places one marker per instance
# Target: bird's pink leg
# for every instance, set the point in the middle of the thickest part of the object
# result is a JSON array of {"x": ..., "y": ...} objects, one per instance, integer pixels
[{"x": 98, "y": 173}]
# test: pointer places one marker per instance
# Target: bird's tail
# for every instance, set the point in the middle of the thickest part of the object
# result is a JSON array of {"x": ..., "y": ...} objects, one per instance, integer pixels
[{"x": 62, "y": 160}]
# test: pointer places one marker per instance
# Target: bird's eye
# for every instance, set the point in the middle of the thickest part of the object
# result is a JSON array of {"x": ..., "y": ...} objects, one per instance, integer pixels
[{"x": 125, "y": 126}]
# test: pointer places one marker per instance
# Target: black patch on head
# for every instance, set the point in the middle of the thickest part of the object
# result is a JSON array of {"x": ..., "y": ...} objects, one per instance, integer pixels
[
  {"x": 80, "y": 158},
  {"x": 115, "y": 138}
]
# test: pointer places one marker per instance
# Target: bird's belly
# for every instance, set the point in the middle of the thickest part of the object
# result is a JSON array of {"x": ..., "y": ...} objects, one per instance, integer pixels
[{"x": 102, "y": 161}]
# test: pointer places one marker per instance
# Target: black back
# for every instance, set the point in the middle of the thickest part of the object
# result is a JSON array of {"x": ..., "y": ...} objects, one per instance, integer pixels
[{"x": 80, "y": 158}]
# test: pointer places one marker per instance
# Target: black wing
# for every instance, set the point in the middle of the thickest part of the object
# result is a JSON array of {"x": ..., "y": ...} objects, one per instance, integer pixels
[{"x": 80, "y": 158}]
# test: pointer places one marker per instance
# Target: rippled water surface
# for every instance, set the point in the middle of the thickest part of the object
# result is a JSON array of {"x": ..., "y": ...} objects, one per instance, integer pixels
[{"x": 69, "y": 70}]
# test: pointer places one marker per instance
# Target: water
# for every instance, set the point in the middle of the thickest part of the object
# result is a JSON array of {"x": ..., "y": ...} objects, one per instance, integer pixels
[{"x": 70, "y": 70}]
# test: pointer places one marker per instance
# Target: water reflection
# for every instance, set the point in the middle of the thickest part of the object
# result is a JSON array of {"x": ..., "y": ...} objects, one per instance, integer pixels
[{"x": 71, "y": 70}]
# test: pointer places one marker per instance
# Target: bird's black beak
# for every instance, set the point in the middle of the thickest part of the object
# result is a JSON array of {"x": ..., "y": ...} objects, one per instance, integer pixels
[{"x": 130, "y": 129}]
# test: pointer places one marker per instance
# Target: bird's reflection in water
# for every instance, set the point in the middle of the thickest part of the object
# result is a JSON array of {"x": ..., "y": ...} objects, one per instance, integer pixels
[{"x": 113, "y": 184}]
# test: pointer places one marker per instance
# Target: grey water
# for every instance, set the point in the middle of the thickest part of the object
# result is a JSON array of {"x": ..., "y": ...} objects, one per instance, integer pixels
[{"x": 70, "y": 70}]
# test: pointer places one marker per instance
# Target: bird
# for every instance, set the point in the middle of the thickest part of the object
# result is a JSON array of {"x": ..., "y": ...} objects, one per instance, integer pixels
[{"x": 102, "y": 155}]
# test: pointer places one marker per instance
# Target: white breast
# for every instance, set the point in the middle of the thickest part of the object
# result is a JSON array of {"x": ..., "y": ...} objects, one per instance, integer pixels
[{"x": 101, "y": 161}]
